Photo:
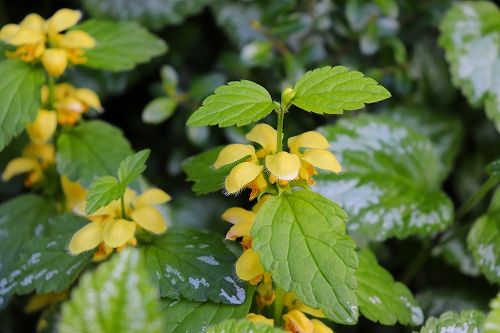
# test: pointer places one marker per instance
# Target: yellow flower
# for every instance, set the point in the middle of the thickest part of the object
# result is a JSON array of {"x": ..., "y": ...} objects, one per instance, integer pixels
[
  {"x": 74, "y": 194},
  {"x": 265, "y": 294},
  {"x": 312, "y": 149},
  {"x": 319, "y": 327},
  {"x": 257, "y": 318},
  {"x": 43, "y": 128},
  {"x": 35, "y": 158},
  {"x": 28, "y": 37},
  {"x": 109, "y": 228},
  {"x": 292, "y": 303},
  {"x": 242, "y": 221},
  {"x": 283, "y": 167},
  {"x": 297, "y": 322},
  {"x": 249, "y": 268}
]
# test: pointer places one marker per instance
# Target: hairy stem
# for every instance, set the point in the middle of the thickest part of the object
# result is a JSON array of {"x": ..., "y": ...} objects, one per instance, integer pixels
[
  {"x": 122, "y": 202},
  {"x": 476, "y": 197},
  {"x": 279, "y": 135},
  {"x": 278, "y": 305},
  {"x": 51, "y": 86}
]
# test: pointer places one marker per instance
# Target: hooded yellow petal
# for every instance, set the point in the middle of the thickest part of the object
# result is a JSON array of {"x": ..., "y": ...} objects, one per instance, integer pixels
[
  {"x": 153, "y": 196},
  {"x": 257, "y": 318},
  {"x": 8, "y": 31},
  {"x": 34, "y": 22},
  {"x": 55, "y": 61},
  {"x": 283, "y": 165},
  {"x": 19, "y": 166},
  {"x": 150, "y": 219},
  {"x": 117, "y": 233},
  {"x": 239, "y": 230},
  {"x": 232, "y": 153},
  {"x": 74, "y": 193},
  {"x": 62, "y": 19},
  {"x": 77, "y": 39},
  {"x": 25, "y": 36},
  {"x": 311, "y": 139},
  {"x": 86, "y": 238},
  {"x": 319, "y": 327},
  {"x": 237, "y": 215},
  {"x": 44, "y": 126},
  {"x": 63, "y": 90},
  {"x": 248, "y": 266},
  {"x": 322, "y": 159},
  {"x": 241, "y": 175},
  {"x": 296, "y": 321},
  {"x": 89, "y": 98},
  {"x": 44, "y": 152},
  {"x": 264, "y": 135}
]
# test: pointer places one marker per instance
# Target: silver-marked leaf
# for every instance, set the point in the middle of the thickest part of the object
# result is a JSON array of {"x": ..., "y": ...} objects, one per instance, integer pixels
[
  {"x": 189, "y": 316},
  {"x": 493, "y": 169},
  {"x": 242, "y": 326},
  {"x": 132, "y": 166},
  {"x": 20, "y": 96},
  {"x": 381, "y": 299},
  {"x": 159, "y": 110},
  {"x": 333, "y": 90},
  {"x": 103, "y": 191},
  {"x": 390, "y": 184},
  {"x": 492, "y": 323},
  {"x": 91, "y": 150},
  {"x": 470, "y": 35},
  {"x": 301, "y": 239},
  {"x": 194, "y": 265},
  {"x": 469, "y": 321},
  {"x": 117, "y": 297},
  {"x": 484, "y": 241},
  {"x": 120, "y": 46},
  {"x": 236, "y": 103}
]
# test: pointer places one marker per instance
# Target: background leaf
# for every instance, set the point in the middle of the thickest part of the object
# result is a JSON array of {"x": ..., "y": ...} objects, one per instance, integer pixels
[
  {"x": 315, "y": 260},
  {"x": 239, "y": 326},
  {"x": 469, "y": 321},
  {"x": 159, "y": 110},
  {"x": 20, "y": 96},
  {"x": 390, "y": 184},
  {"x": 492, "y": 323},
  {"x": 117, "y": 297}
]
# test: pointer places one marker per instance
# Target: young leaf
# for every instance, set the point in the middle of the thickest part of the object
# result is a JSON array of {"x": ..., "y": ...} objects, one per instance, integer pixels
[
  {"x": 120, "y": 46},
  {"x": 484, "y": 241},
  {"x": 470, "y": 36},
  {"x": 492, "y": 323},
  {"x": 188, "y": 316},
  {"x": 132, "y": 167},
  {"x": 117, "y": 297},
  {"x": 390, "y": 184},
  {"x": 333, "y": 90},
  {"x": 103, "y": 191},
  {"x": 469, "y": 321},
  {"x": 90, "y": 150},
  {"x": 193, "y": 265},
  {"x": 381, "y": 299},
  {"x": 159, "y": 110},
  {"x": 316, "y": 260},
  {"x": 242, "y": 326},
  {"x": 236, "y": 103},
  {"x": 20, "y": 96},
  {"x": 493, "y": 169}
]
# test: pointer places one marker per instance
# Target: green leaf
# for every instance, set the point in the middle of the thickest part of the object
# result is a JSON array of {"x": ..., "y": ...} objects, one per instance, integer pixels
[
  {"x": 390, "y": 185},
  {"x": 152, "y": 14},
  {"x": 103, "y": 191},
  {"x": 90, "y": 150},
  {"x": 44, "y": 262},
  {"x": 436, "y": 301},
  {"x": 236, "y": 103},
  {"x": 120, "y": 46},
  {"x": 470, "y": 35},
  {"x": 484, "y": 241},
  {"x": 159, "y": 110},
  {"x": 242, "y": 326},
  {"x": 381, "y": 299},
  {"x": 316, "y": 260},
  {"x": 117, "y": 297},
  {"x": 492, "y": 323},
  {"x": 200, "y": 170},
  {"x": 333, "y": 90},
  {"x": 469, "y": 321},
  {"x": 188, "y": 316},
  {"x": 132, "y": 167},
  {"x": 194, "y": 265},
  {"x": 493, "y": 169},
  {"x": 20, "y": 96}
]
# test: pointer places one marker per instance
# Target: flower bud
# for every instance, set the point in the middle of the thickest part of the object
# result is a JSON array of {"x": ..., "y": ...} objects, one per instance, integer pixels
[
  {"x": 286, "y": 96},
  {"x": 54, "y": 61}
]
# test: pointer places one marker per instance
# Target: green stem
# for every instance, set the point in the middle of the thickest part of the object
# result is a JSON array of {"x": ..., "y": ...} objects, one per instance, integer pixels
[
  {"x": 279, "y": 135},
  {"x": 122, "y": 202},
  {"x": 476, "y": 197},
  {"x": 278, "y": 305},
  {"x": 51, "y": 86}
]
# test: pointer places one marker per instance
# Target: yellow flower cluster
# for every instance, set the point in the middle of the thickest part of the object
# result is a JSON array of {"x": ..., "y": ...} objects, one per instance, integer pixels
[
  {"x": 308, "y": 151},
  {"x": 109, "y": 229},
  {"x": 38, "y": 39}
]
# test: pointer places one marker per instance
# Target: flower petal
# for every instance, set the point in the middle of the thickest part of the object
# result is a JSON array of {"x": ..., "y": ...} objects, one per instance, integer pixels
[
  {"x": 117, "y": 233},
  {"x": 77, "y": 39},
  {"x": 25, "y": 36},
  {"x": 74, "y": 193},
  {"x": 283, "y": 165},
  {"x": 44, "y": 152},
  {"x": 257, "y": 318},
  {"x": 319, "y": 327},
  {"x": 86, "y": 238},
  {"x": 264, "y": 135},
  {"x": 19, "y": 166},
  {"x": 322, "y": 159},
  {"x": 153, "y": 196},
  {"x": 63, "y": 19},
  {"x": 8, "y": 31},
  {"x": 311, "y": 139},
  {"x": 237, "y": 215},
  {"x": 248, "y": 266},
  {"x": 241, "y": 175},
  {"x": 150, "y": 219},
  {"x": 89, "y": 98},
  {"x": 239, "y": 230},
  {"x": 55, "y": 61},
  {"x": 44, "y": 126},
  {"x": 233, "y": 153},
  {"x": 296, "y": 321},
  {"x": 33, "y": 21}
]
